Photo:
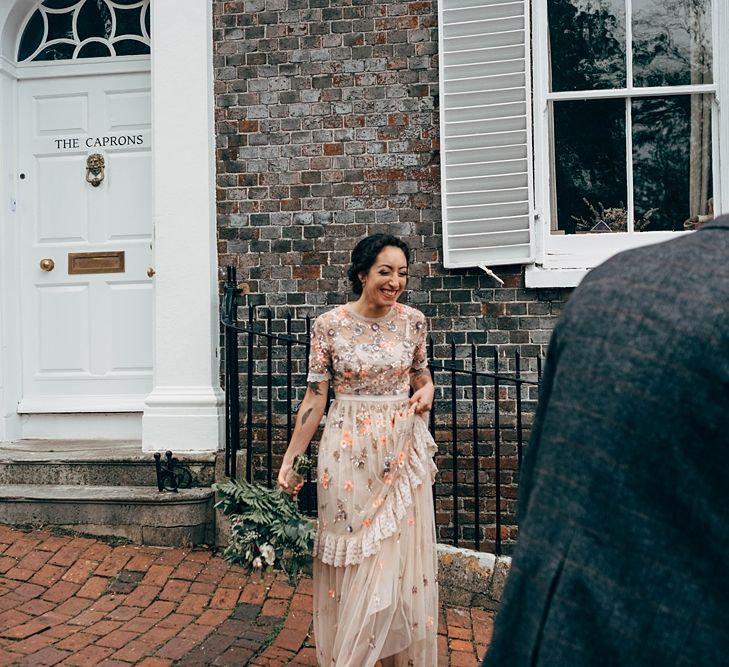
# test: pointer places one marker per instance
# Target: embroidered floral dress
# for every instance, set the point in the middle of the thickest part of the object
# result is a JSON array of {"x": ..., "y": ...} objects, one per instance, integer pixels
[{"x": 375, "y": 585}]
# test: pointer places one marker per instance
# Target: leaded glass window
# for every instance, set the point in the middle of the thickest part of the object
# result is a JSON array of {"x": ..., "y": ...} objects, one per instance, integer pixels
[{"x": 75, "y": 29}]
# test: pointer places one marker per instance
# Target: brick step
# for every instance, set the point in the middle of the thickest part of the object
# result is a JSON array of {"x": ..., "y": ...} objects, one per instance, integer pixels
[
  {"x": 91, "y": 462},
  {"x": 137, "y": 513}
]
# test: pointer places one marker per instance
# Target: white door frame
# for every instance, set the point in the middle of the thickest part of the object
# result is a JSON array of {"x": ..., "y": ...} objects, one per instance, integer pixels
[{"x": 184, "y": 411}]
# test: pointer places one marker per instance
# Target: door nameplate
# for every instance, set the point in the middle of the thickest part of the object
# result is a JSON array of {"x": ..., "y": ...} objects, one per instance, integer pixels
[{"x": 96, "y": 262}]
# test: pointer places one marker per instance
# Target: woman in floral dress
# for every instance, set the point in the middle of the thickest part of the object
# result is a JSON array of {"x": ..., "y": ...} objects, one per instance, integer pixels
[{"x": 375, "y": 567}]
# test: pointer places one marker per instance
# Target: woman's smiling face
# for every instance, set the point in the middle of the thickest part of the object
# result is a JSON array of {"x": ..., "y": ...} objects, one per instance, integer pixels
[{"x": 386, "y": 279}]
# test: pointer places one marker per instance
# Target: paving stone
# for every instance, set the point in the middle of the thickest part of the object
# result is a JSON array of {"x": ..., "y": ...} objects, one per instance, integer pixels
[{"x": 80, "y": 620}]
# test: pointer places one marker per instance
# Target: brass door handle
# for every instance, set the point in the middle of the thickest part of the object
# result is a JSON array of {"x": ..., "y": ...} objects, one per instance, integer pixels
[{"x": 47, "y": 264}]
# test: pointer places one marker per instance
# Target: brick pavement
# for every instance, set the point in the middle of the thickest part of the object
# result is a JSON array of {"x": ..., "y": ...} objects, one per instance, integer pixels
[{"x": 77, "y": 601}]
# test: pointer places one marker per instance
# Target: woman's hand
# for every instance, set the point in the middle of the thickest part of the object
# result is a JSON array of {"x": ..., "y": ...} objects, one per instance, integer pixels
[
  {"x": 286, "y": 475},
  {"x": 422, "y": 399}
]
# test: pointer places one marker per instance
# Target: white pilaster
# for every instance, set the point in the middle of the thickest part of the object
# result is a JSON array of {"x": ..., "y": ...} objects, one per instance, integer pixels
[{"x": 184, "y": 410}]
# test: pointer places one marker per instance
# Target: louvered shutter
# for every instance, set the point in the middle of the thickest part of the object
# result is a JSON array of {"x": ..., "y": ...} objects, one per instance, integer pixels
[{"x": 486, "y": 132}]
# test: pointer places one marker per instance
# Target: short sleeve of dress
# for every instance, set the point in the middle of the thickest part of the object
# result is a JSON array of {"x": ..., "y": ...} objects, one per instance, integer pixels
[
  {"x": 320, "y": 357},
  {"x": 420, "y": 356}
]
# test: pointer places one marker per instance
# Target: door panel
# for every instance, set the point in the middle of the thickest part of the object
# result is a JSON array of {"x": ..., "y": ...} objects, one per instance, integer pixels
[{"x": 87, "y": 337}]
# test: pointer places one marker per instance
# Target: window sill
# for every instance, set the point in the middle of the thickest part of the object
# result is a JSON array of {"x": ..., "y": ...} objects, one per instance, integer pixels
[{"x": 539, "y": 277}]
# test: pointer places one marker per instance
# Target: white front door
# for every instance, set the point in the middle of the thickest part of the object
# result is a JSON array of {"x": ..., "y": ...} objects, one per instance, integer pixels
[{"x": 85, "y": 295}]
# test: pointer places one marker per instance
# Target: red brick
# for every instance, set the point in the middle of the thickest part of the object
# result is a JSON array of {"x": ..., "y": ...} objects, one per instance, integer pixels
[
  {"x": 96, "y": 552},
  {"x": 60, "y": 591},
  {"x": 225, "y": 598},
  {"x": 91, "y": 655},
  {"x": 133, "y": 652},
  {"x": 196, "y": 632},
  {"x": 94, "y": 588},
  {"x": 193, "y": 604},
  {"x": 76, "y": 642},
  {"x": 12, "y": 617},
  {"x": 79, "y": 571},
  {"x": 19, "y": 574},
  {"x": 48, "y": 575},
  {"x": 455, "y": 632},
  {"x": 74, "y": 606},
  {"x": 29, "y": 591},
  {"x": 139, "y": 625},
  {"x": 112, "y": 565},
  {"x": 187, "y": 570},
  {"x": 158, "y": 575},
  {"x": 44, "y": 658},
  {"x": 140, "y": 563},
  {"x": 32, "y": 644},
  {"x": 176, "y": 648},
  {"x": 53, "y": 544},
  {"x": 202, "y": 588},
  {"x": 124, "y": 613},
  {"x": 116, "y": 639},
  {"x": 36, "y": 607},
  {"x": 275, "y": 608},
  {"x": 174, "y": 590},
  {"x": 155, "y": 662},
  {"x": 281, "y": 590},
  {"x": 213, "y": 616},
  {"x": 35, "y": 560},
  {"x": 253, "y": 594},
  {"x": 21, "y": 547},
  {"x": 142, "y": 596},
  {"x": 159, "y": 609}
]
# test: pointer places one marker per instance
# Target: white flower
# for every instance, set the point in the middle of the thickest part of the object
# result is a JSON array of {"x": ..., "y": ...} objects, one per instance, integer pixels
[
  {"x": 268, "y": 554},
  {"x": 257, "y": 563}
]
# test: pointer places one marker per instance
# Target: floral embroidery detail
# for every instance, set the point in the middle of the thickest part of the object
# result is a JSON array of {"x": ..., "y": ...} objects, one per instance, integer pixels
[
  {"x": 415, "y": 590},
  {"x": 361, "y": 460},
  {"x": 364, "y": 423},
  {"x": 365, "y": 357},
  {"x": 346, "y": 439},
  {"x": 367, "y": 522},
  {"x": 348, "y": 486},
  {"x": 376, "y": 503},
  {"x": 332, "y": 593},
  {"x": 341, "y": 514},
  {"x": 324, "y": 479},
  {"x": 336, "y": 455}
]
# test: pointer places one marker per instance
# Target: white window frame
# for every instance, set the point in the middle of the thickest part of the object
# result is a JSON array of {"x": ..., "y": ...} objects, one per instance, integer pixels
[{"x": 562, "y": 260}]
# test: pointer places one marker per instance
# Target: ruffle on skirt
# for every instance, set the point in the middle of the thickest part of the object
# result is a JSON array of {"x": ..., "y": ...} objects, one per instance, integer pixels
[{"x": 418, "y": 469}]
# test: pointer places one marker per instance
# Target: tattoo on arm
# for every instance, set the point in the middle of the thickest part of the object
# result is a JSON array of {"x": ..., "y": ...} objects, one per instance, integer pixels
[
  {"x": 314, "y": 387},
  {"x": 307, "y": 414}
]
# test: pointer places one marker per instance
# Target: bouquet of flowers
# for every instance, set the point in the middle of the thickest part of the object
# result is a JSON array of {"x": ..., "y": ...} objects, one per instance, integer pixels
[{"x": 268, "y": 529}]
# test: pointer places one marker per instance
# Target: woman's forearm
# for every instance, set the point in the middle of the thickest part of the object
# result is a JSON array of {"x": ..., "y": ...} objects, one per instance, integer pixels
[
  {"x": 307, "y": 419},
  {"x": 420, "y": 378}
]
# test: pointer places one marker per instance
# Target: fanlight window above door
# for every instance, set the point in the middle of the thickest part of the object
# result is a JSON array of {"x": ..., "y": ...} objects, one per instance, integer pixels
[{"x": 75, "y": 29}]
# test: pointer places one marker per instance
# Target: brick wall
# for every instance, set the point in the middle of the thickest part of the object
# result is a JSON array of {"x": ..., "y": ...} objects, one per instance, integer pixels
[{"x": 327, "y": 130}]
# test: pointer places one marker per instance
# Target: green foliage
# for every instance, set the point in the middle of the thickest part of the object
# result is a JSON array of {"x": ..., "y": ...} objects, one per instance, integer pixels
[{"x": 268, "y": 529}]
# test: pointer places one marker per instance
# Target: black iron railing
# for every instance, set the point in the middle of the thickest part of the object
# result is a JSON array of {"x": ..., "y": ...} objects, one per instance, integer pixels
[{"x": 480, "y": 420}]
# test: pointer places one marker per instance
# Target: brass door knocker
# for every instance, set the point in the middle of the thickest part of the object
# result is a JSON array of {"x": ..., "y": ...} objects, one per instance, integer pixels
[{"x": 95, "y": 169}]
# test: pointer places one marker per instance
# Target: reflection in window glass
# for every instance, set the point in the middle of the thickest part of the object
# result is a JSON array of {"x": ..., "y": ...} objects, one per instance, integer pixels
[
  {"x": 589, "y": 166},
  {"x": 672, "y": 161},
  {"x": 671, "y": 42},
  {"x": 587, "y": 44}
]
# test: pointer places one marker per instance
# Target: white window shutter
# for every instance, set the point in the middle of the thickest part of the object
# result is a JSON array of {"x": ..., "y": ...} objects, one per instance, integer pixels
[{"x": 486, "y": 132}]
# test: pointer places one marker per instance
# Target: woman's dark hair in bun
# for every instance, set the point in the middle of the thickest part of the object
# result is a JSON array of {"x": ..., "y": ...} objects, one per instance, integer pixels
[{"x": 365, "y": 253}]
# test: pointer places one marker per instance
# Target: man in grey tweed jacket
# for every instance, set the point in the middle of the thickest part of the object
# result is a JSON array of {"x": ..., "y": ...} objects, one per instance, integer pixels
[{"x": 623, "y": 551}]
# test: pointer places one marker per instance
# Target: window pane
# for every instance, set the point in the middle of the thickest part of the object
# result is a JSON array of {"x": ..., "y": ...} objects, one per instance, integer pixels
[
  {"x": 589, "y": 166},
  {"x": 672, "y": 162},
  {"x": 587, "y": 44},
  {"x": 671, "y": 42}
]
